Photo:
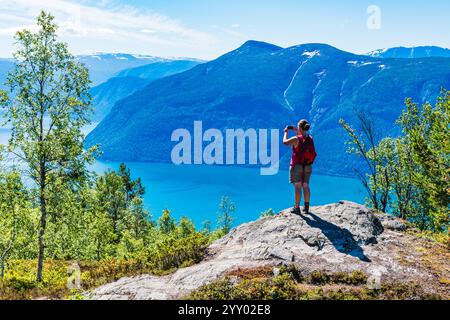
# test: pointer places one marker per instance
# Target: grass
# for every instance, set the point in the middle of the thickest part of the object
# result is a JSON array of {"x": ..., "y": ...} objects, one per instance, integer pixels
[
  {"x": 434, "y": 253},
  {"x": 439, "y": 238}
]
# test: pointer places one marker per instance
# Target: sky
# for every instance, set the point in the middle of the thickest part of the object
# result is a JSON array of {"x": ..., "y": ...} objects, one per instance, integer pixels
[{"x": 206, "y": 29}]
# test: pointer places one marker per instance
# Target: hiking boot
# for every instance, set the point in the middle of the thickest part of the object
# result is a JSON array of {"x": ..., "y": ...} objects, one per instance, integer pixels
[
  {"x": 306, "y": 208},
  {"x": 295, "y": 210}
]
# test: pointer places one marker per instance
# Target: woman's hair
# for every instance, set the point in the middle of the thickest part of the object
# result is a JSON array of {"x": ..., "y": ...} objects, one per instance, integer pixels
[{"x": 304, "y": 125}]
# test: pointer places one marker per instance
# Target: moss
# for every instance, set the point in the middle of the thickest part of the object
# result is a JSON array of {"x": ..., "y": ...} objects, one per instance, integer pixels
[
  {"x": 218, "y": 290},
  {"x": 281, "y": 287},
  {"x": 357, "y": 277},
  {"x": 293, "y": 272},
  {"x": 318, "y": 278},
  {"x": 75, "y": 295},
  {"x": 401, "y": 291},
  {"x": 250, "y": 273},
  {"x": 341, "y": 294},
  {"x": 318, "y": 285}
]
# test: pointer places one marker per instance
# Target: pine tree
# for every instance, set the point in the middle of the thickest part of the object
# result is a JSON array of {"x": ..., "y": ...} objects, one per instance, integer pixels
[{"x": 225, "y": 218}]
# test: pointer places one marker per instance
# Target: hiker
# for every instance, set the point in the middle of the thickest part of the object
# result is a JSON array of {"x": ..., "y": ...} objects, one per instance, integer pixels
[{"x": 303, "y": 156}]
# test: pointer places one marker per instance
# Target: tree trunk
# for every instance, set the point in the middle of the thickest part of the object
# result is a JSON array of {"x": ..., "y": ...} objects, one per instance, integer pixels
[
  {"x": 43, "y": 224},
  {"x": 10, "y": 245},
  {"x": 2, "y": 267},
  {"x": 98, "y": 250}
]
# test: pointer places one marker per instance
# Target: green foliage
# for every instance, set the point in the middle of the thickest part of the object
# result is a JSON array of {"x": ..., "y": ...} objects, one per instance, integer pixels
[
  {"x": 185, "y": 228},
  {"x": 364, "y": 146},
  {"x": 103, "y": 226},
  {"x": 131, "y": 256},
  {"x": 101, "y": 222},
  {"x": 19, "y": 281},
  {"x": 268, "y": 213},
  {"x": 357, "y": 277},
  {"x": 225, "y": 218},
  {"x": 427, "y": 131},
  {"x": 171, "y": 252},
  {"x": 50, "y": 106},
  {"x": 112, "y": 199},
  {"x": 17, "y": 223},
  {"x": 166, "y": 224},
  {"x": 66, "y": 213},
  {"x": 410, "y": 174},
  {"x": 206, "y": 227},
  {"x": 281, "y": 287}
]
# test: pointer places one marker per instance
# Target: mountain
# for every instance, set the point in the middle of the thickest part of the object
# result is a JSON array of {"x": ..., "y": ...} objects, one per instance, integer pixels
[
  {"x": 118, "y": 75},
  {"x": 103, "y": 66},
  {"x": 128, "y": 81},
  {"x": 105, "y": 95},
  {"x": 413, "y": 52},
  {"x": 339, "y": 251},
  {"x": 260, "y": 85},
  {"x": 158, "y": 70}
]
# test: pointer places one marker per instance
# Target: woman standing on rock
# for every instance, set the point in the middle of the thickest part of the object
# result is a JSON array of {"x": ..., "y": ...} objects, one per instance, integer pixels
[{"x": 303, "y": 156}]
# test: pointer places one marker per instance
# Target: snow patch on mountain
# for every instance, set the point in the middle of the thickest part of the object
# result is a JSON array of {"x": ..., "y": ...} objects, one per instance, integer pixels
[
  {"x": 361, "y": 63},
  {"x": 311, "y": 54}
]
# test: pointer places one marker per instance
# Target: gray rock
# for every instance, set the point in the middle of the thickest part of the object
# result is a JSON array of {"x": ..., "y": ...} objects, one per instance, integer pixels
[
  {"x": 338, "y": 237},
  {"x": 392, "y": 223}
]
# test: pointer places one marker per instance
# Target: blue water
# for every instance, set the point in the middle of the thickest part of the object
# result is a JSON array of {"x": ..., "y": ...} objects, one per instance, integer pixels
[{"x": 195, "y": 191}]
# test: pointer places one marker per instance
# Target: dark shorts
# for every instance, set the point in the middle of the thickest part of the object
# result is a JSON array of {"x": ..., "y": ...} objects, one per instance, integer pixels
[{"x": 296, "y": 173}]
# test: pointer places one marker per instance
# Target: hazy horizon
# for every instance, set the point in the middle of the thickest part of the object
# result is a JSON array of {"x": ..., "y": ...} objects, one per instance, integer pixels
[{"x": 145, "y": 54}]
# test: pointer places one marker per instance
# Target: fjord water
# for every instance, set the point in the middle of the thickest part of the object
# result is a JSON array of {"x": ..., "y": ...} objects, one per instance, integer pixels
[{"x": 195, "y": 191}]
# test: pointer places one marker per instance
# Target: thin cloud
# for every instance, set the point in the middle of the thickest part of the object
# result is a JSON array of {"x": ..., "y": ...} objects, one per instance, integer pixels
[
  {"x": 105, "y": 22},
  {"x": 232, "y": 32}
]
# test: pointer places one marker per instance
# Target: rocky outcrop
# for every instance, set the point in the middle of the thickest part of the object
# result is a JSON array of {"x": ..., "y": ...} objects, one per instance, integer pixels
[{"x": 341, "y": 237}]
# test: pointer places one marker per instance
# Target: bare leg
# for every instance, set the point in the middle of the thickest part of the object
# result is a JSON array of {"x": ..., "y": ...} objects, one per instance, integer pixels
[
  {"x": 298, "y": 194},
  {"x": 307, "y": 192}
]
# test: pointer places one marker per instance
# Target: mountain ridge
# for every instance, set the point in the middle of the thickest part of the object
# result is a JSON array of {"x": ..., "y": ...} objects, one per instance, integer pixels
[
  {"x": 131, "y": 80},
  {"x": 411, "y": 52},
  {"x": 261, "y": 86},
  {"x": 103, "y": 66}
]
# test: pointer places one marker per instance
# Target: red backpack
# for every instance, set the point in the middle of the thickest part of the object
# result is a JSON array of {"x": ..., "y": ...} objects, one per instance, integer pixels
[{"x": 305, "y": 153}]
